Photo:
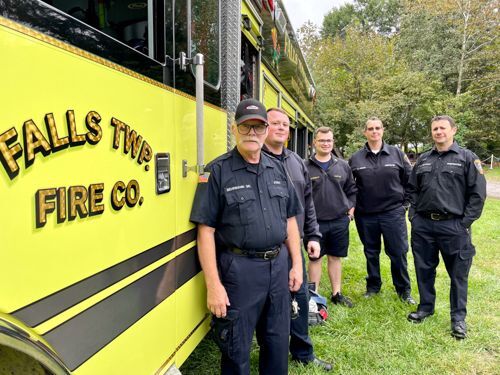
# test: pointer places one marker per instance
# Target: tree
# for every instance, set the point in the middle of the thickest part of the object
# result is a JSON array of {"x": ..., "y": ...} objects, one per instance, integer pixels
[
  {"x": 473, "y": 26},
  {"x": 309, "y": 39},
  {"x": 429, "y": 46},
  {"x": 344, "y": 72},
  {"x": 410, "y": 97},
  {"x": 379, "y": 16},
  {"x": 405, "y": 62},
  {"x": 336, "y": 21}
]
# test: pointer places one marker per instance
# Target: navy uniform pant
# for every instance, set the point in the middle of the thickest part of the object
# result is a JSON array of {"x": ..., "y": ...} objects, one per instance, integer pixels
[
  {"x": 391, "y": 226},
  {"x": 428, "y": 237},
  {"x": 301, "y": 347},
  {"x": 258, "y": 290}
]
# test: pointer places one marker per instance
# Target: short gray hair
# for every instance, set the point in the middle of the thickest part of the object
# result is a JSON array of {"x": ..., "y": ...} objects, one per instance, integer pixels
[{"x": 373, "y": 118}]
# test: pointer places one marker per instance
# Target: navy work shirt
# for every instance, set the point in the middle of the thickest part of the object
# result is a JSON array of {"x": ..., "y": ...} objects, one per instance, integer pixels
[
  {"x": 247, "y": 204},
  {"x": 381, "y": 178},
  {"x": 450, "y": 182},
  {"x": 334, "y": 190},
  {"x": 298, "y": 173}
]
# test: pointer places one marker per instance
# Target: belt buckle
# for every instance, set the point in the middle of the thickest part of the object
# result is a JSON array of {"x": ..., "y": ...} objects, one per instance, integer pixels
[
  {"x": 268, "y": 255},
  {"x": 435, "y": 216}
]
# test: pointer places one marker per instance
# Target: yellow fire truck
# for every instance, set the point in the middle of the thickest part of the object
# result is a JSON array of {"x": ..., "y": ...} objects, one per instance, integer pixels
[{"x": 109, "y": 110}]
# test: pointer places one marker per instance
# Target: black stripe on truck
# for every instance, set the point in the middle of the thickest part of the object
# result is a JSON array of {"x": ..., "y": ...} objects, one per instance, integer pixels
[
  {"x": 79, "y": 338},
  {"x": 52, "y": 305}
]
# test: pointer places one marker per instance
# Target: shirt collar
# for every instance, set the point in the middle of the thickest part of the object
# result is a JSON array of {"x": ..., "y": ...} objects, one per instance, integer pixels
[
  {"x": 286, "y": 152},
  {"x": 454, "y": 147},
  {"x": 384, "y": 149},
  {"x": 239, "y": 163},
  {"x": 334, "y": 159}
]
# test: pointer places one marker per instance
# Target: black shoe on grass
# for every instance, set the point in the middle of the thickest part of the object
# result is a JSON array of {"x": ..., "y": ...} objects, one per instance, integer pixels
[{"x": 340, "y": 299}]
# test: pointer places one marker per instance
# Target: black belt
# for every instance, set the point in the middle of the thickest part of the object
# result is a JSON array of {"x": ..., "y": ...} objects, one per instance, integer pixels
[
  {"x": 437, "y": 216},
  {"x": 263, "y": 254}
]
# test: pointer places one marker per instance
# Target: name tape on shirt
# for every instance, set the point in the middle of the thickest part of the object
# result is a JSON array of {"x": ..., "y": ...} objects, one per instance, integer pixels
[
  {"x": 455, "y": 164},
  {"x": 238, "y": 187}
]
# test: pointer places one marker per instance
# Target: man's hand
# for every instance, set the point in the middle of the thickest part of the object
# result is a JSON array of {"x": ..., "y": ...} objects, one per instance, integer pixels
[
  {"x": 350, "y": 214},
  {"x": 313, "y": 249},
  {"x": 217, "y": 300},
  {"x": 295, "y": 278}
]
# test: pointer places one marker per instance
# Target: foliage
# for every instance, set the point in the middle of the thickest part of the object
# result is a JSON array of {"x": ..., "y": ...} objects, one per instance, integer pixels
[
  {"x": 338, "y": 20},
  {"x": 359, "y": 76},
  {"x": 381, "y": 16},
  {"x": 405, "y": 62},
  {"x": 468, "y": 27},
  {"x": 309, "y": 41}
]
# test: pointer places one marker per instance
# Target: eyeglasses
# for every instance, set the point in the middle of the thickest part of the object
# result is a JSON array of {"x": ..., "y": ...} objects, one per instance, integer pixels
[
  {"x": 324, "y": 141},
  {"x": 258, "y": 129},
  {"x": 374, "y": 128}
]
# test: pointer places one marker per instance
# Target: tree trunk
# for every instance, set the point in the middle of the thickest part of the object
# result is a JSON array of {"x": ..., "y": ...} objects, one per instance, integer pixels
[{"x": 461, "y": 65}]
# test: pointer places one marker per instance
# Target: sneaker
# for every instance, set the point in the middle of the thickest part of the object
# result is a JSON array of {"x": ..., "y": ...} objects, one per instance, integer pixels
[
  {"x": 340, "y": 299},
  {"x": 406, "y": 297}
]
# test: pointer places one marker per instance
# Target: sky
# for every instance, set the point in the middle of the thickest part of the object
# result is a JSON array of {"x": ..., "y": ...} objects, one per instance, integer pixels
[{"x": 300, "y": 11}]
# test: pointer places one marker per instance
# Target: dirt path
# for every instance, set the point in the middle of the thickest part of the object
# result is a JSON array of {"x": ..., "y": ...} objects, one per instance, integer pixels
[{"x": 493, "y": 189}]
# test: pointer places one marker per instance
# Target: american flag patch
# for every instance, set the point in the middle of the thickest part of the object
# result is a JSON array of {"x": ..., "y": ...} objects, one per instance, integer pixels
[{"x": 203, "y": 178}]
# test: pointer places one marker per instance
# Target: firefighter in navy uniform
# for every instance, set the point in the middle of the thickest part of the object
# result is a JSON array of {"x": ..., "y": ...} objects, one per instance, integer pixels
[
  {"x": 447, "y": 192},
  {"x": 246, "y": 216},
  {"x": 381, "y": 173},
  {"x": 301, "y": 346},
  {"x": 334, "y": 193}
]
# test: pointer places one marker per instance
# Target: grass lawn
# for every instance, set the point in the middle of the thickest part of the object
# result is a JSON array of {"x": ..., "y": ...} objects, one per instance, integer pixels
[
  {"x": 375, "y": 338},
  {"x": 492, "y": 174}
]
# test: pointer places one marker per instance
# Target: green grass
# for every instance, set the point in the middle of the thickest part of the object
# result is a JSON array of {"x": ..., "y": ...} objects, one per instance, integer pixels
[
  {"x": 492, "y": 174},
  {"x": 375, "y": 338}
]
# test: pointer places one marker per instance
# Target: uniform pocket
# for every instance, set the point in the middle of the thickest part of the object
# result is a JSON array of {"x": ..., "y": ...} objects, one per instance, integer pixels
[
  {"x": 279, "y": 194},
  {"x": 461, "y": 227},
  {"x": 224, "y": 332},
  {"x": 453, "y": 170},
  {"x": 452, "y": 176},
  {"x": 226, "y": 260},
  {"x": 467, "y": 252},
  {"x": 423, "y": 173},
  {"x": 244, "y": 201}
]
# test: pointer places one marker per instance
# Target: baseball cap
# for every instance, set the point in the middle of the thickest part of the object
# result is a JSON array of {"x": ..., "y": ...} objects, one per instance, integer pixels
[{"x": 250, "y": 109}]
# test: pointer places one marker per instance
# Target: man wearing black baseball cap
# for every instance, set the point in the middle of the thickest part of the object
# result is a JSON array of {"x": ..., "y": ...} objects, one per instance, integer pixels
[
  {"x": 250, "y": 109},
  {"x": 245, "y": 213}
]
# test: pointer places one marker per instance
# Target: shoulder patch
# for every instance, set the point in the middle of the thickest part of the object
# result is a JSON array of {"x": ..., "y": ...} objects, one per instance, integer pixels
[{"x": 478, "y": 165}]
